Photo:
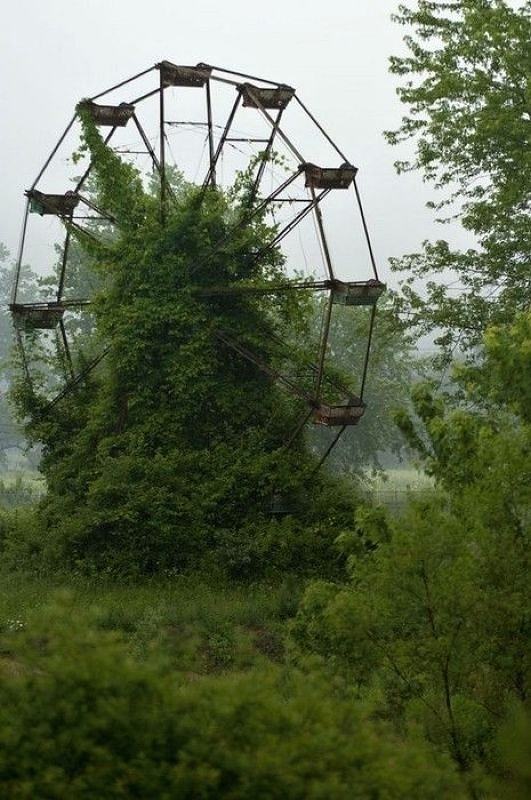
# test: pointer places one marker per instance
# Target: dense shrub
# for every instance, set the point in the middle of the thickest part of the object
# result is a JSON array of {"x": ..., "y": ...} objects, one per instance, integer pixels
[
  {"x": 436, "y": 621},
  {"x": 79, "y": 717}
]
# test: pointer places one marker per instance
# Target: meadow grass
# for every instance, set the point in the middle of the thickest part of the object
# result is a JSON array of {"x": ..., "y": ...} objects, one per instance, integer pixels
[{"x": 198, "y": 626}]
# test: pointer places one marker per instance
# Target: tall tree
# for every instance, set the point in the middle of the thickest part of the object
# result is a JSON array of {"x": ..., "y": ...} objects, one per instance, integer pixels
[{"x": 466, "y": 87}]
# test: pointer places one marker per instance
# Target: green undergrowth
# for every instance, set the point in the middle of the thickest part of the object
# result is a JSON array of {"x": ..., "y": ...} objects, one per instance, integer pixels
[
  {"x": 178, "y": 688},
  {"x": 195, "y": 627}
]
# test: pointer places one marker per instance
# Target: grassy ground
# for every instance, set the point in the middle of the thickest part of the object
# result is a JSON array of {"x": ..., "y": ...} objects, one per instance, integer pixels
[{"x": 199, "y": 628}]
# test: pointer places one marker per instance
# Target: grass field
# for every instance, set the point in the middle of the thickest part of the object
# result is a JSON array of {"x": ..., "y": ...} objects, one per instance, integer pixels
[{"x": 199, "y": 628}]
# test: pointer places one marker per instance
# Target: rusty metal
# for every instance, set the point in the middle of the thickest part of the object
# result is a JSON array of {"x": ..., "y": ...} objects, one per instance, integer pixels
[
  {"x": 149, "y": 148},
  {"x": 323, "y": 347},
  {"x": 18, "y": 265},
  {"x": 367, "y": 352},
  {"x": 246, "y": 139},
  {"x": 62, "y": 205},
  {"x": 62, "y": 273},
  {"x": 213, "y": 162},
  {"x": 320, "y": 127},
  {"x": 22, "y": 353},
  {"x": 210, "y": 132},
  {"x": 249, "y": 91},
  {"x": 122, "y": 83},
  {"x": 333, "y": 416},
  {"x": 37, "y": 316},
  {"x": 265, "y": 157},
  {"x": 175, "y": 75},
  {"x": 313, "y": 204},
  {"x": 270, "y": 98},
  {"x": 66, "y": 348},
  {"x": 239, "y": 348},
  {"x": 322, "y": 234},
  {"x": 241, "y": 74},
  {"x": 329, "y": 177},
  {"x": 102, "y": 214},
  {"x": 109, "y": 116},
  {"x": 358, "y": 293},
  {"x": 54, "y": 151},
  {"x": 329, "y": 449},
  {"x": 260, "y": 97},
  {"x": 366, "y": 230},
  {"x": 144, "y": 96},
  {"x": 71, "y": 385},
  {"x": 162, "y": 152}
]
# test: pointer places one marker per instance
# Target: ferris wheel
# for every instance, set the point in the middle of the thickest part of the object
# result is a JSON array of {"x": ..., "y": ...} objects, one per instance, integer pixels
[{"x": 221, "y": 122}]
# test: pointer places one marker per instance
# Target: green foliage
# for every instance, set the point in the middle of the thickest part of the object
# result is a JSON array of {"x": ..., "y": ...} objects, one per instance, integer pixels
[
  {"x": 80, "y": 717},
  {"x": 435, "y": 622},
  {"x": 514, "y": 745},
  {"x": 466, "y": 88},
  {"x": 172, "y": 450}
]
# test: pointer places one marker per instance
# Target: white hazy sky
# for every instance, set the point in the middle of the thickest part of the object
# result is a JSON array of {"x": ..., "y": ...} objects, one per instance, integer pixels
[{"x": 54, "y": 52}]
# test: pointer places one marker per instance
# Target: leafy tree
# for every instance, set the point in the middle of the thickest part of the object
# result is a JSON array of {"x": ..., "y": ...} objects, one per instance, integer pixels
[
  {"x": 466, "y": 88},
  {"x": 436, "y": 618},
  {"x": 11, "y": 435},
  {"x": 176, "y": 442}
]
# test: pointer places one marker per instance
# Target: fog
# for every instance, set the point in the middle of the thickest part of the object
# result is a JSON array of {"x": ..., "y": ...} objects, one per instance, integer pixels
[{"x": 336, "y": 55}]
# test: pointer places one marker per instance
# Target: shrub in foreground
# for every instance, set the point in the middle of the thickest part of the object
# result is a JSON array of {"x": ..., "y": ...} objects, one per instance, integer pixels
[{"x": 80, "y": 718}]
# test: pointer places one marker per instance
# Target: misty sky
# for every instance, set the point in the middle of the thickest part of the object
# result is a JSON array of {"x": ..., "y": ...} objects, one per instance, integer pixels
[{"x": 55, "y": 52}]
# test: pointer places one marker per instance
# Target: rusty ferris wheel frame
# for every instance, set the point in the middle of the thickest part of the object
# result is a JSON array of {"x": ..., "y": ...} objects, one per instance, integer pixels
[{"x": 270, "y": 99}]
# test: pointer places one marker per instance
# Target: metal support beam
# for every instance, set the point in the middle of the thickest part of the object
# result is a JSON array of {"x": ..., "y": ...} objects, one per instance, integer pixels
[
  {"x": 265, "y": 156},
  {"x": 66, "y": 349},
  {"x": 162, "y": 153},
  {"x": 147, "y": 143},
  {"x": 77, "y": 380},
  {"x": 330, "y": 447},
  {"x": 97, "y": 209},
  {"x": 144, "y": 97},
  {"x": 324, "y": 347},
  {"x": 213, "y": 163},
  {"x": 322, "y": 235},
  {"x": 294, "y": 222},
  {"x": 210, "y": 134},
  {"x": 216, "y": 291},
  {"x": 22, "y": 352},
  {"x": 318, "y": 124},
  {"x": 20, "y": 253},
  {"x": 366, "y": 230},
  {"x": 271, "y": 121},
  {"x": 241, "y": 75},
  {"x": 63, "y": 266},
  {"x": 368, "y": 352},
  {"x": 123, "y": 83},
  {"x": 262, "y": 365},
  {"x": 54, "y": 151},
  {"x": 300, "y": 425}
]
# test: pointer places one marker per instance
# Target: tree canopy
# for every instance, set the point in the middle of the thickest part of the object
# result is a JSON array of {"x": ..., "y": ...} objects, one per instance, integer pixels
[{"x": 465, "y": 84}]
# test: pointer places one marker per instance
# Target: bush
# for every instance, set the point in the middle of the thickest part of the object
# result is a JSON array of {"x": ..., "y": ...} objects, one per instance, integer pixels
[
  {"x": 435, "y": 622},
  {"x": 21, "y": 541},
  {"x": 80, "y": 718}
]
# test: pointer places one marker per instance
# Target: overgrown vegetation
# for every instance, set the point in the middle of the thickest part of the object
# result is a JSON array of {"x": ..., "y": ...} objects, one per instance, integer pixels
[
  {"x": 342, "y": 651},
  {"x": 172, "y": 453}
]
